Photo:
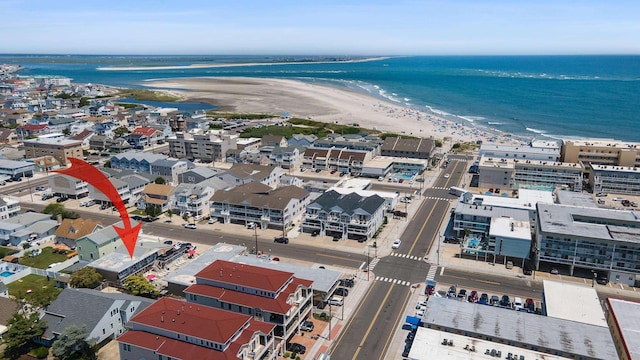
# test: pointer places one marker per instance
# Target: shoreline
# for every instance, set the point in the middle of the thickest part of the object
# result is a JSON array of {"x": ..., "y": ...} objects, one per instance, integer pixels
[
  {"x": 207, "y": 66},
  {"x": 328, "y": 104}
]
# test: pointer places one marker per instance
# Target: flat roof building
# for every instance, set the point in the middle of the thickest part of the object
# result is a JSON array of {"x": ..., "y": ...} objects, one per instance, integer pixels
[
  {"x": 623, "y": 318},
  {"x": 61, "y": 149},
  {"x": 601, "y": 152},
  {"x": 584, "y": 306},
  {"x": 615, "y": 179},
  {"x": 523, "y": 152}
]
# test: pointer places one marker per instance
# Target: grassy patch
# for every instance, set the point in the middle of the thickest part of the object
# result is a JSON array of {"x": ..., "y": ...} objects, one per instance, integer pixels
[
  {"x": 42, "y": 261},
  {"x": 286, "y": 131},
  {"x": 4, "y": 251},
  {"x": 128, "y": 105},
  {"x": 248, "y": 116},
  {"x": 151, "y": 95},
  {"x": 464, "y": 147},
  {"x": 42, "y": 291}
]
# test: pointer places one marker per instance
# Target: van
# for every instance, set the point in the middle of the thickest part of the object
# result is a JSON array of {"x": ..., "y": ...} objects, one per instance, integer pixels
[
  {"x": 336, "y": 301},
  {"x": 517, "y": 303}
]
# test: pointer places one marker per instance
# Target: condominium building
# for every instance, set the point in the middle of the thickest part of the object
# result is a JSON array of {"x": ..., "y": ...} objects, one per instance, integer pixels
[
  {"x": 193, "y": 199},
  {"x": 9, "y": 207},
  {"x": 615, "y": 179},
  {"x": 339, "y": 159},
  {"x": 286, "y": 157},
  {"x": 169, "y": 169},
  {"x": 260, "y": 204},
  {"x": 356, "y": 142},
  {"x": 274, "y": 296},
  {"x": 64, "y": 185},
  {"x": 534, "y": 151},
  {"x": 135, "y": 160},
  {"x": 205, "y": 147},
  {"x": 601, "y": 152},
  {"x": 345, "y": 216},
  {"x": 411, "y": 148},
  {"x": 61, "y": 149},
  {"x": 605, "y": 241},
  {"x": 15, "y": 169},
  {"x": 240, "y": 174},
  {"x": 532, "y": 174}
]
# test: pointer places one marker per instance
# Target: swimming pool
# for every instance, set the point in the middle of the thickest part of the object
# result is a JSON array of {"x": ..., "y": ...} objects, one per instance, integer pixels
[
  {"x": 403, "y": 176},
  {"x": 6, "y": 273}
]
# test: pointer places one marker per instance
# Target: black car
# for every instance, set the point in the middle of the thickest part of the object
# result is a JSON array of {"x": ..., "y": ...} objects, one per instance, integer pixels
[
  {"x": 347, "y": 282},
  {"x": 281, "y": 240},
  {"x": 168, "y": 242},
  {"x": 136, "y": 217},
  {"x": 342, "y": 292},
  {"x": 61, "y": 199},
  {"x": 505, "y": 301},
  {"x": 462, "y": 295},
  {"x": 296, "y": 348}
]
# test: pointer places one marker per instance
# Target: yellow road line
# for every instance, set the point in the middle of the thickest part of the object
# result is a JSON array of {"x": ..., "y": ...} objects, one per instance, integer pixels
[
  {"x": 366, "y": 334},
  {"x": 426, "y": 220},
  {"x": 395, "y": 325},
  {"x": 353, "y": 316},
  {"x": 436, "y": 235}
]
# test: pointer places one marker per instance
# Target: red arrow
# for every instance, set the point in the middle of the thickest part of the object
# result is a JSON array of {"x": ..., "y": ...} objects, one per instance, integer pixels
[{"x": 86, "y": 172}]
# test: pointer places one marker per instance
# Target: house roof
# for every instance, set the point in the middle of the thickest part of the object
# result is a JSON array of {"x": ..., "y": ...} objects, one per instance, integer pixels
[
  {"x": 82, "y": 135},
  {"x": 277, "y": 305},
  {"x": 84, "y": 307},
  {"x": 146, "y": 131},
  {"x": 272, "y": 139},
  {"x": 260, "y": 195},
  {"x": 158, "y": 189},
  {"x": 347, "y": 203},
  {"x": 135, "y": 180},
  {"x": 246, "y": 275},
  {"x": 257, "y": 172},
  {"x": 408, "y": 145},
  {"x": 105, "y": 235},
  {"x": 77, "y": 228},
  {"x": 192, "y": 320},
  {"x": 33, "y": 127}
]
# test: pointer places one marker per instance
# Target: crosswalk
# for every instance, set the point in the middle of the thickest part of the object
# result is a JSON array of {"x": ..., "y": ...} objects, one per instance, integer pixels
[
  {"x": 373, "y": 263},
  {"x": 393, "y": 281},
  {"x": 431, "y": 275},
  {"x": 436, "y": 198},
  {"x": 439, "y": 188},
  {"x": 406, "y": 256}
]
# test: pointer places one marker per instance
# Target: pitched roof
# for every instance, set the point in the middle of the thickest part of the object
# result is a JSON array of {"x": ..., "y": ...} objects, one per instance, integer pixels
[
  {"x": 82, "y": 135},
  {"x": 32, "y": 127},
  {"x": 77, "y": 228},
  {"x": 408, "y": 145},
  {"x": 192, "y": 320},
  {"x": 158, "y": 189},
  {"x": 348, "y": 204},
  {"x": 254, "y": 277},
  {"x": 244, "y": 171},
  {"x": 146, "y": 131},
  {"x": 260, "y": 195}
]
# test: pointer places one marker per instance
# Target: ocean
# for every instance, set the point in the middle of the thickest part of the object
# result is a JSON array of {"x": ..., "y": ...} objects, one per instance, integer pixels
[{"x": 529, "y": 96}]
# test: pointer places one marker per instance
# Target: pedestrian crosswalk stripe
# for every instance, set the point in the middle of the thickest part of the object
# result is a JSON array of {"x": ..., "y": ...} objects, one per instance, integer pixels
[
  {"x": 431, "y": 275},
  {"x": 393, "y": 281},
  {"x": 407, "y": 256}
]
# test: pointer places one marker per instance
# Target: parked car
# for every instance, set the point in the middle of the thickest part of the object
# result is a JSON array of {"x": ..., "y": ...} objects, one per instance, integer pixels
[
  {"x": 446, "y": 176},
  {"x": 342, "y": 292},
  {"x": 40, "y": 188},
  {"x": 306, "y": 326},
  {"x": 554, "y": 271},
  {"x": 315, "y": 233},
  {"x": 462, "y": 294},
  {"x": 168, "y": 242},
  {"x": 212, "y": 220},
  {"x": 336, "y": 301},
  {"x": 296, "y": 348},
  {"x": 484, "y": 299},
  {"x": 251, "y": 226},
  {"x": 189, "y": 226},
  {"x": 396, "y": 244},
  {"x": 473, "y": 297},
  {"x": 346, "y": 282},
  {"x": 281, "y": 240},
  {"x": 601, "y": 194},
  {"x": 494, "y": 301},
  {"x": 530, "y": 304},
  {"x": 62, "y": 199},
  {"x": 452, "y": 291},
  {"x": 517, "y": 303},
  {"x": 505, "y": 301}
]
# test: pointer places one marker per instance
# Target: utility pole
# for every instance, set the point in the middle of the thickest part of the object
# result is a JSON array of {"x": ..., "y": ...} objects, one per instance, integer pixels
[
  {"x": 367, "y": 263},
  {"x": 255, "y": 231}
]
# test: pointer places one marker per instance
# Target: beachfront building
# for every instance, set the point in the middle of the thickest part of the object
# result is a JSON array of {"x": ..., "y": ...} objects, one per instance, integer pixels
[
  {"x": 15, "y": 169},
  {"x": 357, "y": 142},
  {"x": 339, "y": 159},
  {"x": 173, "y": 329},
  {"x": 419, "y": 148},
  {"x": 63, "y": 185},
  {"x": 381, "y": 166},
  {"x": 61, "y": 149},
  {"x": 601, "y": 152},
  {"x": 301, "y": 140},
  {"x": 274, "y": 140},
  {"x": 240, "y": 174},
  {"x": 529, "y": 174},
  {"x": 345, "y": 216},
  {"x": 135, "y": 160},
  {"x": 540, "y": 337},
  {"x": 249, "y": 144},
  {"x": 615, "y": 179},
  {"x": 533, "y": 151},
  {"x": 208, "y": 147},
  {"x": 589, "y": 239},
  {"x": 623, "y": 318},
  {"x": 273, "y": 296},
  {"x": 260, "y": 204}
]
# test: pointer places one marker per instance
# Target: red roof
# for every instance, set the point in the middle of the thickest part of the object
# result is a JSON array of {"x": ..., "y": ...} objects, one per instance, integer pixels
[
  {"x": 193, "y": 320},
  {"x": 82, "y": 135},
  {"x": 276, "y": 305},
  {"x": 146, "y": 131},
  {"x": 32, "y": 127},
  {"x": 254, "y": 277},
  {"x": 172, "y": 347}
]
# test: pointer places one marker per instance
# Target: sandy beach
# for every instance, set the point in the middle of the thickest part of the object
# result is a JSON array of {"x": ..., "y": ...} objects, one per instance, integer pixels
[{"x": 321, "y": 103}]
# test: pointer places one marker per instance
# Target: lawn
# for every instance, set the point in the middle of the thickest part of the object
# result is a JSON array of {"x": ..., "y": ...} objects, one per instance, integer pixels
[
  {"x": 42, "y": 261},
  {"x": 42, "y": 291},
  {"x": 4, "y": 251}
]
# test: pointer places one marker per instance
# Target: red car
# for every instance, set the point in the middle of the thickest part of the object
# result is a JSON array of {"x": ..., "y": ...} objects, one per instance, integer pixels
[
  {"x": 333, "y": 171},
  {"x": 530, "y": 305},
  {"x": 473, "y": 297}
]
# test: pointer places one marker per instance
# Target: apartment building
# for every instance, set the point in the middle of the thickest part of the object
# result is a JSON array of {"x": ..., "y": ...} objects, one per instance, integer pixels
[
  {"x": 529, "y": 174},
  {"x": 286, "y": 157},
  {"x": 64, "y": 185},
  {"x": 534, "y": 151},
  {"x": 240, "y": 174},
  {"x": 135, "y": 160},
  {"x": 615, "y": 179},
  {"x": 9, "y": 207},
  {"x": 194, "y": 198},
  {"x": 204, "y": 147},
  {"x": 345, "y": 216},
  {"x": 273, "y": 296},
  {"x": 260, "y": 204},
  {"x": 169, "y": 169},
  {"x": 61, "y": 149},
  {"x": 411, "y": 148},
  {"x": 601, "y": 152},
  {"x": 587, "y": 239},
  {"x": 355, "y": 142}
]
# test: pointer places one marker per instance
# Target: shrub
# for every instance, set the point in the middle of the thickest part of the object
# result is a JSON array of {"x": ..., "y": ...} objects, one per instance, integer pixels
[
  {"x": 286, "y": 355},
  {"x": 41, "y": 352}
]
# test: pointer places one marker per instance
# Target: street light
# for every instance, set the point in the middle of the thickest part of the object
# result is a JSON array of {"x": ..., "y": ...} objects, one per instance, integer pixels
[{"x": 255, "y": 231}]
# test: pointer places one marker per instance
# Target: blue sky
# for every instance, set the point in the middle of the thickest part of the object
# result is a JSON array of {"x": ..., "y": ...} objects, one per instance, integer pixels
[{"x": 367, "y": 27}]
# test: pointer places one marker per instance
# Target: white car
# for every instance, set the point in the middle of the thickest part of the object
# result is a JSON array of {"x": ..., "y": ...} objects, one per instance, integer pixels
[
  {"x": 396, "y": 244},
  {"x": 212, "y": 220},
  {"x": 446, "y": 176},
  {"x": 189, "y": 226}
]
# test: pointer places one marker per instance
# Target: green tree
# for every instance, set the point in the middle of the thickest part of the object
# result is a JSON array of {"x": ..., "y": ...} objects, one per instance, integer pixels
[
  {"x": 159, "y": 180},
  {"x": 58, "y": 209},
  {"x": 87, "y": 277},
  {"x": 72, "y": 344},
  {"x": 153, "y": 210},
  {"x": 119, "y": 132},
  {"x": 84, "y": 101},
  {"x": 138, "y": 285},
  {"x": 438, "y": 143},
  {"x": 185, "y": 217},
  {"x": 66, "y": 131},
  {"x": 21, "y": 329},
  {"x": 107, "y": 164},
  {"x": 169, "y": 214}
]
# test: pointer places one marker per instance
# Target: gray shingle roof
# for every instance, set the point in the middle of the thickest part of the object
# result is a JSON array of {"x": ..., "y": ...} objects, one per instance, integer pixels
[{"x": 347, "y": 203}]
